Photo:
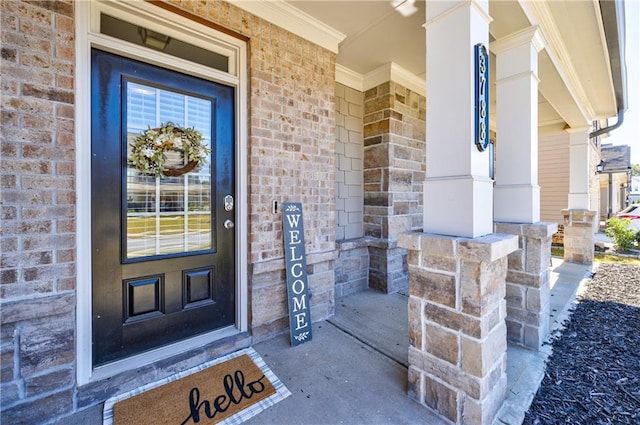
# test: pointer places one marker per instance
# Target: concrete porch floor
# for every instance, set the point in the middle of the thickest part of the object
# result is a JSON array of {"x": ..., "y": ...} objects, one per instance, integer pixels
[{"x": 354, "y": 371}]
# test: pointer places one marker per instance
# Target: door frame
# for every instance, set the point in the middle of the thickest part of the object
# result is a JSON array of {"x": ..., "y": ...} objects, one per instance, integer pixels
[{"x": 87, "y": 19}]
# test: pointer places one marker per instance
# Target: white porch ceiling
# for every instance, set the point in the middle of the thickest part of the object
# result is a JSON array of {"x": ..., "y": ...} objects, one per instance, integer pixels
[{"x": 574, "y": 71}]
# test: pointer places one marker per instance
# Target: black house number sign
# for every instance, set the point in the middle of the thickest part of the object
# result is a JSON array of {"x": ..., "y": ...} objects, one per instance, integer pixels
[
  {"x": 297, "y": 279},
  {"x": 481, "y": 110}
]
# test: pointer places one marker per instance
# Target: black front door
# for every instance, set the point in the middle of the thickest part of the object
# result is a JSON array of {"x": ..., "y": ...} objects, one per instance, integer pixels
[{"x": 163, "y": 263}]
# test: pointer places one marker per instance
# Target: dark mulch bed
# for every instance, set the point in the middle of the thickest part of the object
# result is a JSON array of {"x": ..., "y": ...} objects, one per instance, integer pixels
[{"x": 593, "y": 375}]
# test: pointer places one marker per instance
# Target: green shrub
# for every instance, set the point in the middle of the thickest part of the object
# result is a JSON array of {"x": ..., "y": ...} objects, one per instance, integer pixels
[{"x": 618, "y": 230}]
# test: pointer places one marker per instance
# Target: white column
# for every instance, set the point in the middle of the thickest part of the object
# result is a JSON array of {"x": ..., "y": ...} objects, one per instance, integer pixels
[
  {"x": 579, "y": 171},
  {"x": 517, "y": 194},
  {"x": 458, "y": 193}
]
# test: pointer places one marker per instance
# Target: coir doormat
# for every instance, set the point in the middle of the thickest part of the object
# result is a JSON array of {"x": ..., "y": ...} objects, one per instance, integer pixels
[{"x": 228, "y": 390}]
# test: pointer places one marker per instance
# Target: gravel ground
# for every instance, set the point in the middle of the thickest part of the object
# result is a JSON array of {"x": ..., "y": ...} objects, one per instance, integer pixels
[{"x": 593, "y": 375}]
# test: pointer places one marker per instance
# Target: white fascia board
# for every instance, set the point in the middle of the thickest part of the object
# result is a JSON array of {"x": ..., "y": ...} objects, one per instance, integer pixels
[
  {"x": 294, "y": 20},
  {"x": 538, "y": 13}
]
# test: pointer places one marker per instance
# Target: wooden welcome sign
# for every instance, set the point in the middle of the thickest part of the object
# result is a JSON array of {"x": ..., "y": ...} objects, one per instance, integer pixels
[{"x": 297, "y": 279}]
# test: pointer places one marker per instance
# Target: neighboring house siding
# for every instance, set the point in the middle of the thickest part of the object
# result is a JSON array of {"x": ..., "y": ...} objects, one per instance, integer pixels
[
  {"x": 634, "y": 195},
  {"x": 553, "y": 175}
]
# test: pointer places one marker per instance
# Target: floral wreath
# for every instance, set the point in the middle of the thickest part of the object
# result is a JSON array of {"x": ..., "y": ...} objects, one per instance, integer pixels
[{"x": 149, "y": 150}]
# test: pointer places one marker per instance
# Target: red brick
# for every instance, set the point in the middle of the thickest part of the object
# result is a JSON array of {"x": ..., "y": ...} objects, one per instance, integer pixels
[
  {"x": 65, "y": 23},
  {"x": 66, "y": 284},
  {"x": 16, "y": 134},
  {"x": 27, "y": 197},
  {"x": 8, "y": 182},
  {"x": 37, "y": 121},
  {"x": 47, "y": 182},
  {"x": 25, "y": 289},
  {"x": 47, "y": 93},
  {"x": 58, "y": 7},
  {"x": 66, "y": 197},
  {"x": 65, "y": 111},
  {"x": 49, "y": 272},
  {"x": 34, "y": 105},
  {"x": 9, "y": 212},
  {"x": 65, "y": 255},
  {"x": 21, "y": 227},
  {"x": 48, "y": 211},
  {"x": 26, "y": 259},
  {"x": 66, "y": 226},
  {"x": 36, "y": 29},
  {"x": 65, "y": 139},
  {"x": 7, "y": 243},
  {"x": 8, "y": 276},
  {"x": 48, "y": 152},
  {"x": 32, "y": 243}
]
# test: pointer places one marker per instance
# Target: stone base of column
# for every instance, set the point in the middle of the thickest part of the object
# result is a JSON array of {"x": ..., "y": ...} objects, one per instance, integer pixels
[
  {"x": 387, "y": 266},
  {"x": 579, "y": 240},
  {"x": 457, "y": 331},
  {"x": 528, "y": 291}
]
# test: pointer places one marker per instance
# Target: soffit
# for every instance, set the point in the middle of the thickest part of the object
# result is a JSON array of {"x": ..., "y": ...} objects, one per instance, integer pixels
[
  {"x": 375, "y": 33},
  {"x": 574, "y": 71},
  {"x": 579, "y": 25}
]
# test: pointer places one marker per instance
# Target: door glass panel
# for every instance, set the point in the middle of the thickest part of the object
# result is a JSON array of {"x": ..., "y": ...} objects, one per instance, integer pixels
[{"x": 170, "y": 215}]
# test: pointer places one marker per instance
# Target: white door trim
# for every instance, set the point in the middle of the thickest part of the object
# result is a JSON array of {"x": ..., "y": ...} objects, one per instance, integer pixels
[{"x": 88, "y": 36}]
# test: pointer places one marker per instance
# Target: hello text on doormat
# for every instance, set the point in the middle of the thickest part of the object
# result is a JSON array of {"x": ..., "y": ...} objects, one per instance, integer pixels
[{"x": 230, "y": 391}]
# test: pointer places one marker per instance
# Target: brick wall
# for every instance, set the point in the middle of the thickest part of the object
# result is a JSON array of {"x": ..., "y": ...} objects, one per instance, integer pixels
[
  {"x": 38, "y": 212},
  {"x": 291, "y": 158}
]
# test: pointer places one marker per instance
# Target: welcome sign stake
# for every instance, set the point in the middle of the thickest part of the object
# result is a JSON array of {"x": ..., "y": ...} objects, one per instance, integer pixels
[{"x": 297, "y": 279}]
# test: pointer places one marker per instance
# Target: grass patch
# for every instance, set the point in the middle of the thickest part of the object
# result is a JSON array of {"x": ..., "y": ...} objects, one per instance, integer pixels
[
  {"x": 608, "y": 258},
  {"x": 557, "y": 251},
  {"x": 600, "y": 257}
]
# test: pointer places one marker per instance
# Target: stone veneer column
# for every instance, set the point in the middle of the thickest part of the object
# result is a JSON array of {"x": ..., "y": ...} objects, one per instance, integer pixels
[
  {"x": 528, "y": 290},
  {"x": 579, "y": 220},
  {"x": 457, "y": 332},
  {"x": 579, "y": 237},
  {"x": 394, "y": 140},
  {"x": 517, "y": 194}
]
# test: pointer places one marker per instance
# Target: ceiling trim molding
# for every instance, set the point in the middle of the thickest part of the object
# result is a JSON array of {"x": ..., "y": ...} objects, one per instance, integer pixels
[
  {"x": 387, "y": 72},
  {"x": 349, "y": 78},
  {"x": 394, "y": 72},
  {"x": 294, "y": 20},
  {"x": 539, "y": 14}
]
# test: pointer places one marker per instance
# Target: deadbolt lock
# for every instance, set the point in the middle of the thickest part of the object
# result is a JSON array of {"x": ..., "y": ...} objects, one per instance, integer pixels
[{"x": 228, "y": 203}]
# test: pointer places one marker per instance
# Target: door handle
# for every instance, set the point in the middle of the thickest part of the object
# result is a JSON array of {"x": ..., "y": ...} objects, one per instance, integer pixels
[{"x": 229, "y": 224}]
